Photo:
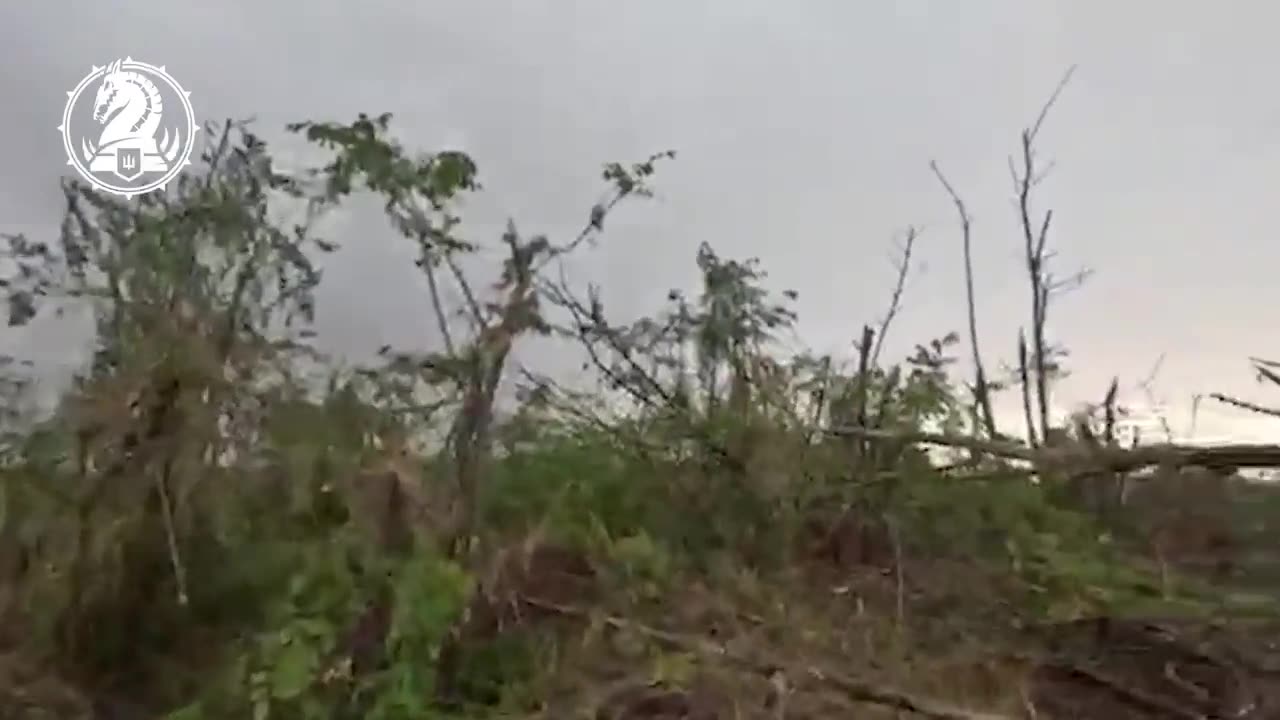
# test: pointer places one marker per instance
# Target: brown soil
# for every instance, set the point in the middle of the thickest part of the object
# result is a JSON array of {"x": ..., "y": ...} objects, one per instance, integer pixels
[{"x": 1128, "y": 669}]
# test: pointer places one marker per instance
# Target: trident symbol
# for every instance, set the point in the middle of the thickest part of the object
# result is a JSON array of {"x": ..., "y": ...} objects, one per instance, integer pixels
[{"x": 129, "y": 163}]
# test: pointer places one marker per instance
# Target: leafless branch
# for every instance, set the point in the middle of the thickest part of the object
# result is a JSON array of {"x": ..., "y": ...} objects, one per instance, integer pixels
[
  {"x": 437, "y": 305},
  {"x": 1244, "y": 405},
  {"x": 895, "y": 301},
  {"x": 1147, "y": 386},
  {"x": 1073, "y": 281},
  {"x": 1035, "y": 239},
  {"x": 981, "y": 390},
  {"x": 473, "y": 305},
  {"x": 592, "y": 331},
  {"x": 1195, "y": 414},
  {"x": 1053, "y": 99}
]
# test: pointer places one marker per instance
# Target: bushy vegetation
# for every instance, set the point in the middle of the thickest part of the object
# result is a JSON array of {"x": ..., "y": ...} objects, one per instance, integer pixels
[{"x": 218, "y": 522}]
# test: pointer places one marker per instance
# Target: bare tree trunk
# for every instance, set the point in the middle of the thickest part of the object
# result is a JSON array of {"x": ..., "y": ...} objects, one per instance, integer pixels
[
  {"x": 1035, "y": 238},
  {"x": 981, "y": 390},
  {"x": 1024, "y": 376},
  {"x": 861, "y": 446}
]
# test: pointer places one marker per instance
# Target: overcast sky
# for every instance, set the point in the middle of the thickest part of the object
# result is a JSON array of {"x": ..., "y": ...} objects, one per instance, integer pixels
[{"x": 804, "y": 129}]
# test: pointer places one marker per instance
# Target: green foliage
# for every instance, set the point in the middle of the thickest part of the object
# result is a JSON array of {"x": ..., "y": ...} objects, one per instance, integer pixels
[
  {"x": 214, "y": 516},
  {"x": 574, "y": 484}
]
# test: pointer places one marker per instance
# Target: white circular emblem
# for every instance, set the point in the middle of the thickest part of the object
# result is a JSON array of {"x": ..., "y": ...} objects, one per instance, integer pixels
[{"x": 135, "y": 135}]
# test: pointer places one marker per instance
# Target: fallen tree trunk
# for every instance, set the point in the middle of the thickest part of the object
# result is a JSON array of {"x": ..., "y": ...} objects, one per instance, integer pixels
[{"x": 1087, "y": 456}]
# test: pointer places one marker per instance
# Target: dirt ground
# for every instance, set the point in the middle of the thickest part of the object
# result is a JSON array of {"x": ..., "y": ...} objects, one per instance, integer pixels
[{"x": 1103, "y": 669}]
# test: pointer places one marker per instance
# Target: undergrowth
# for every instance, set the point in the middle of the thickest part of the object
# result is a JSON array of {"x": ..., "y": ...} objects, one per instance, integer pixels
[{"x": 216, "y": 522}]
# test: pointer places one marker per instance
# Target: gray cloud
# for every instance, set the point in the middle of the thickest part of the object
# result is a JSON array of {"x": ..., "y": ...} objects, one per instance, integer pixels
[{"x": 804, "y": 130}]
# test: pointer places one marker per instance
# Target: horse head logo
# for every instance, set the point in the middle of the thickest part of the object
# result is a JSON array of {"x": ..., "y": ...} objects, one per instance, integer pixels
[
  {"x": 109, "y": 98},
  {"x": 140, "y": 128}
]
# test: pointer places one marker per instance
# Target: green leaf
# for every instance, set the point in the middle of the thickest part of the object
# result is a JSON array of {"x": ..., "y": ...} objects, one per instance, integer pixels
[
  {"x": 292, "y": 671},
  {"x": 673, "y": 669},
  {"x": 194, "y": 711}
]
